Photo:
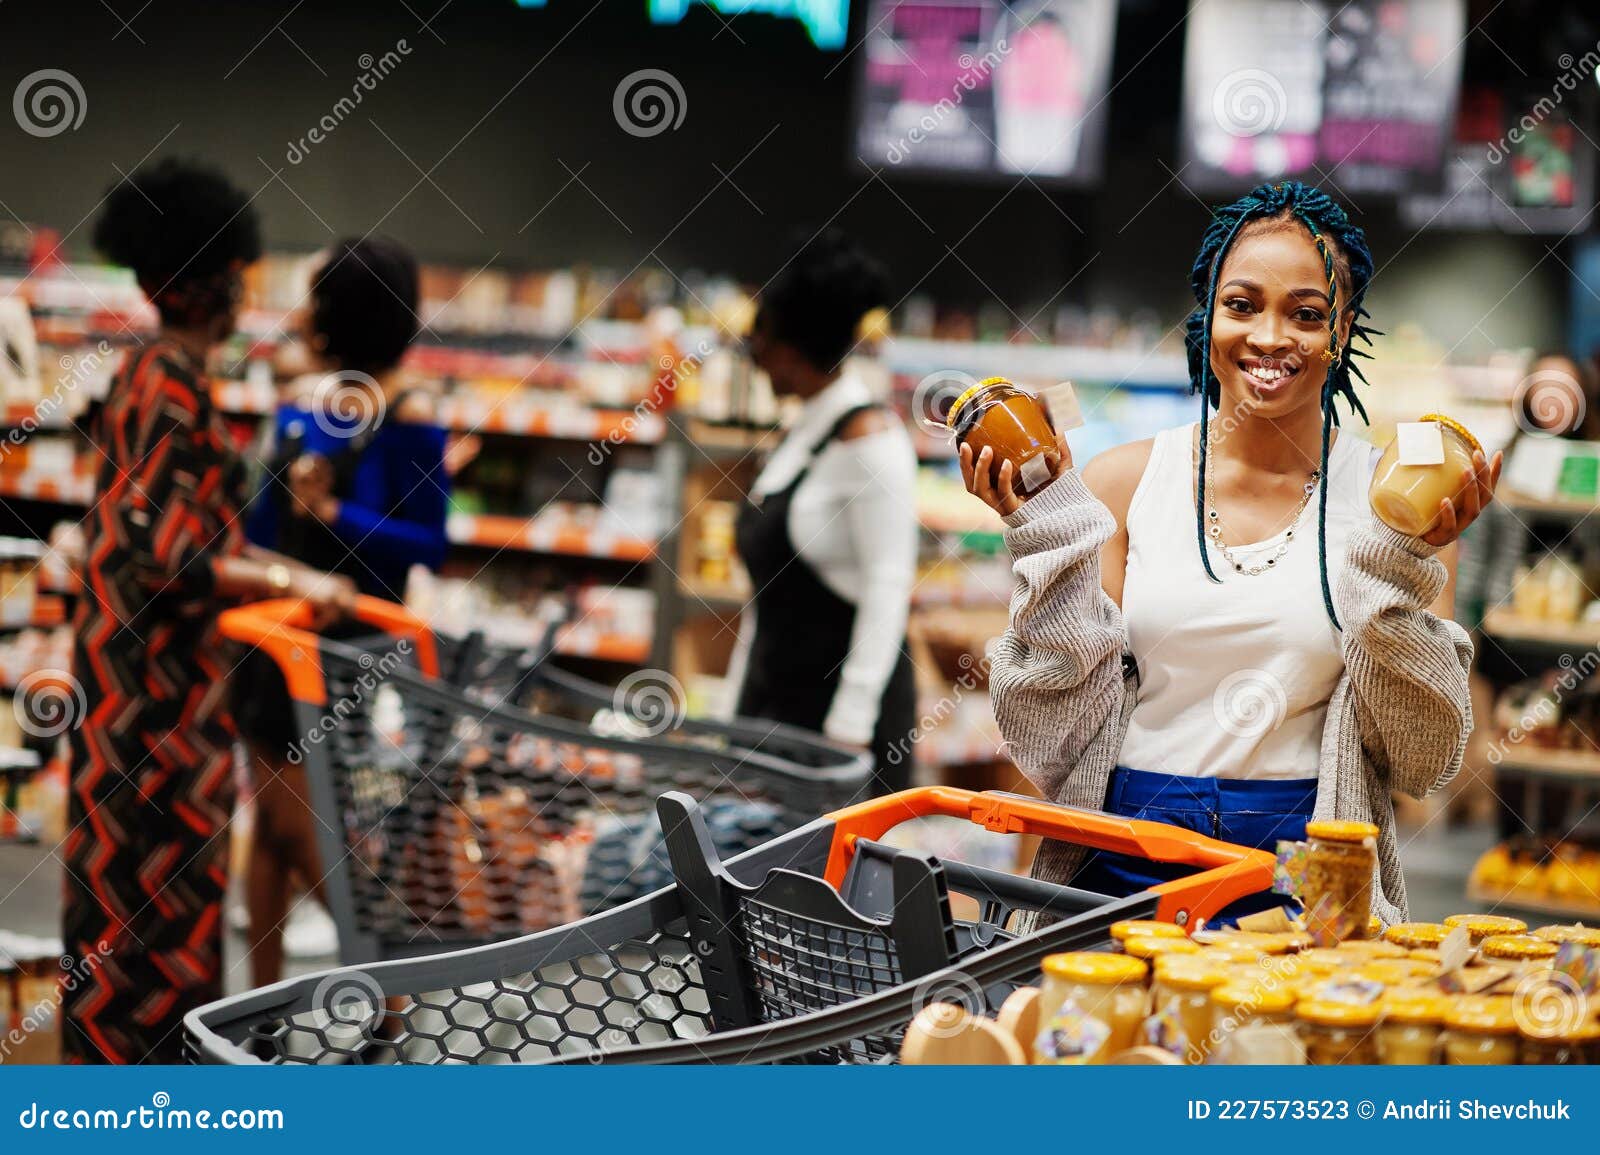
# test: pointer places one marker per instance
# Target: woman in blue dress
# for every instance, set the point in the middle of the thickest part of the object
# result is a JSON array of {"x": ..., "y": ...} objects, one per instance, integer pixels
[{"x": 356, "y": 485}]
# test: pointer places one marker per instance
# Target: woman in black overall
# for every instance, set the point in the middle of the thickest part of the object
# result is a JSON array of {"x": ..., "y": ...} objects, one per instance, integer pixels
[{"x": 829, "y": 533}]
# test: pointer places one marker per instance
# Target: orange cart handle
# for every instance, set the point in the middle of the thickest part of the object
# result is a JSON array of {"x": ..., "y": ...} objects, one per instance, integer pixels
[
  {"x": 1233, "y": 872},
  {"x": 280, "y": 627}
]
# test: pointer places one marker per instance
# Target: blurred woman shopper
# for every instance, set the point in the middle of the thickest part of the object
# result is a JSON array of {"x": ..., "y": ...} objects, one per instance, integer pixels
[
  {"x": 829, "y": 533},
  {"x": 356, "y": 484},
  {"x": 152, "y": 787},
  {"x": 1211, "y": 628}
]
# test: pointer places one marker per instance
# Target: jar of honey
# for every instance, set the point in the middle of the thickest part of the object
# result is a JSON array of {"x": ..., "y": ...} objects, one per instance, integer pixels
[
  {"x": 1337, "y": 893},
  {"x": 1588, "y": 936},
  {"x": 1151, "y": 948},
  {"x": 1576, "y": 1043},
  {"x": 1090, "y": 1007},
  {"x": 997, "y": 415},
  {"x": 1517, "y": 948},
  {"x": 1338, "y": 1033},
  {"x": 1417, "y": 935},
  {"x": 1407, "y": 497},
  {"x": 1182, "y": 990},
  {"x": 1410, "y": 1029},
  {"x": 1481, "y": 1030},
  {"x": 1128, "y": 928}
]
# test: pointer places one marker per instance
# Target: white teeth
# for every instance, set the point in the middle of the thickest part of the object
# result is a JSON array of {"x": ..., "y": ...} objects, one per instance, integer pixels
[{"x": 1268, "y": 374}]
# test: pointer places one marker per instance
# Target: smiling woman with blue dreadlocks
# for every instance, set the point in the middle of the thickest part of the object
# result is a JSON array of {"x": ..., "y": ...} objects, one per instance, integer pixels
[{"x": 1210, "y": 627}]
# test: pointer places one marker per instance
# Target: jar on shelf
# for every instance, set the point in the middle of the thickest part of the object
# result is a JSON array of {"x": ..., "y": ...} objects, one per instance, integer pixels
[
  {"x": 1575, "y": 1044},
  {"x": 998, "y": 415},
  {"x": 1482, "y": 926},
  {"x": 1367, "y": 949},
  {"x": 1182, "y": 990},
  {"x": 1244, "y": 1010},
  {"x": 1128, "y": 928},
  {"x": 1091, "y": 1006},
  {"x": 1588, "y": 936},
  {"x": 1481, "y": 1030},
  {"x": 1150, "y": 949},
  {"x": 1337, "y": 892},
  {"x": 1417, "y": 935},
  {"x": 1410, "y": 1028},
  {"x": 1522, "y": 951},
  {"x": 1407, "y": 497},
  {"x": 1338, "y": 1033}
]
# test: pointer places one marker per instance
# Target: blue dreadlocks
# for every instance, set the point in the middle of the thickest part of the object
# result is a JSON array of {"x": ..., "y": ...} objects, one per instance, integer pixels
[{"x": 1325, "y": 219}]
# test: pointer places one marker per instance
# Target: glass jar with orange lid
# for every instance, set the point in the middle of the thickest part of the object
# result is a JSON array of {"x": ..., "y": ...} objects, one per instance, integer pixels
[
  {"x": 1085, "y": 985},
  {"x": 1407, "y": 497},
  {"x": 1338, "y": 1033},
  {"x": 1128, "y": 928},
  {"x": 1182, "y": 990},
  {"x": 1396, "y": 972},
  {"x": 1150, "y": 949},
  {"x": 1411, "y": 1024},
  {"x": 998, "y": 415},
  {"x": 1482, "y": 926},
  {"x": 1337, "y": 889},
  {"x": 1417, "y": 935},
  {"x": 1574, "y": 1043},
  {"x": 1365, "y": 949},
  {"x": 1481, "y": 1030},
  {"x": 1242, "y": 1006},
  {"x": 1521, "y": 950}
]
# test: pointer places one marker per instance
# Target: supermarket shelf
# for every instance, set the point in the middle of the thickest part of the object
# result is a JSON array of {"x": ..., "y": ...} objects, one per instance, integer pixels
[
  {"x": 964, "y": 749},
  {"x": 1535, "y": 903},
  {"x": 489, "y": 415},
  {"x": 971, "y": 517},
  {"x": 77, "y": 489},
  {"x": 1548, "y": 507},
  {"x": 717, "y": 595},
  {"x": 1036, "y": 363},
  {"x": 48, "y": 610},
  {"x": 581, "y": 642},
  {"x": 966, "y": 597},
  {"x": 738, "y": 440},
  {"x": 1506, "y": 625},
  {"x": 544, "y": 534},
  {"x": 13, "y": 675},
  {"x": 17, "y": 416},
  {"x": 1527, "y": 759}
]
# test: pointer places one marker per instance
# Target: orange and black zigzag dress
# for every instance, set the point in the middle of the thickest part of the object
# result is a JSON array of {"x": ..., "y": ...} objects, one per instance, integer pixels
[{"x": 152, "y": 763}]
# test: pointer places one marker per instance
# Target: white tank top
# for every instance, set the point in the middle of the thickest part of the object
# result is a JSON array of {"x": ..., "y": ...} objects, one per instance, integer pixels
[{"x": 1235, "y": 676}]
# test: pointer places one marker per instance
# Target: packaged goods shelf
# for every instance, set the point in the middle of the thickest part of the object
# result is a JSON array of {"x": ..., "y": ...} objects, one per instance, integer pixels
[
  {"x": 1507, "y": 625},
  {"x": 544, "y": 534},
  {"x": 1535, "y": 903},
  {"x": 1534, "y": 760}
]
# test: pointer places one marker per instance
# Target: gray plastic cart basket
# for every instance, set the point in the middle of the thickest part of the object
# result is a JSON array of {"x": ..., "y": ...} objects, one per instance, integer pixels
[
  {"x": 819, "y": 918},
  {"x": 447, "y": 820}
]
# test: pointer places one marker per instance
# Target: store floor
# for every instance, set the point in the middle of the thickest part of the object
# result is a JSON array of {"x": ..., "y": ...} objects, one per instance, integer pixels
[{"x": 1437, "y": 860}]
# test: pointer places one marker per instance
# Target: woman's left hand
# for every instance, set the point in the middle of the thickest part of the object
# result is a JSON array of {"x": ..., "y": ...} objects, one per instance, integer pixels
[{"x": 1472, "y": 498}]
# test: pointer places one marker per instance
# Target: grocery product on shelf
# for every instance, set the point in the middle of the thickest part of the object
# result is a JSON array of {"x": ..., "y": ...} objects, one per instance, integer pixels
[
  {"x": 1564, "y": 875},
  {"x": 1337, "y": 888},
  {"x": 1420, "y": 468}
]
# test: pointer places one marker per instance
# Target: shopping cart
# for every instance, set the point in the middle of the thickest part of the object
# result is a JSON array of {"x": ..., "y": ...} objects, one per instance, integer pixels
[
  {"x": 822, "y": 917},
  {"x": 449, "y": 820}
]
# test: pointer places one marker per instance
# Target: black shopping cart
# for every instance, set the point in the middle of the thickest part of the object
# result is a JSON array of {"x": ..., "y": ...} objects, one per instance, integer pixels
[
  {"x": 448, "y": 820},
  {"x": 810, "y": 924}
]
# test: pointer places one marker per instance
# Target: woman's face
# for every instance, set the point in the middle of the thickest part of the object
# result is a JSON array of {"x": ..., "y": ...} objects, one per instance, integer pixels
[{"x": 1270, "y": 324}]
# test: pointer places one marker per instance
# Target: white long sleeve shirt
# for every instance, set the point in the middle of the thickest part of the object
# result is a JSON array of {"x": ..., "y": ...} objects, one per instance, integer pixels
[{"x": 853, "y": 520}]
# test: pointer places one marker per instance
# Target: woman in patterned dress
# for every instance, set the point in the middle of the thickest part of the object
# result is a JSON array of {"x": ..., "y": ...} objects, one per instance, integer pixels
[{"x": 152, "y": 761}]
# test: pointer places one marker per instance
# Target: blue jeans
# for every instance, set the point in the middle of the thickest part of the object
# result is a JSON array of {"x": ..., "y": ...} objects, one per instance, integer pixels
[{"x": 1249, "y": 813}]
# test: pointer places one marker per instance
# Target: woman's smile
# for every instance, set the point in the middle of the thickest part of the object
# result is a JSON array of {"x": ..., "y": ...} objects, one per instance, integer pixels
[{"x": 1268, "y": 376}]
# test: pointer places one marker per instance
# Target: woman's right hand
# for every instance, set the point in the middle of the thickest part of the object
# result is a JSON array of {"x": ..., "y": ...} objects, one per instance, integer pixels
[
  {"x": 330, "y": 596},
  {"x": 993, "y": 487}
]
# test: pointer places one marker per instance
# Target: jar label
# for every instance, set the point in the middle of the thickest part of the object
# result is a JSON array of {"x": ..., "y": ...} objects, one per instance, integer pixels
[
  {"x": 1421, "y": 443},
  {"x": 1034, "y": 472}
]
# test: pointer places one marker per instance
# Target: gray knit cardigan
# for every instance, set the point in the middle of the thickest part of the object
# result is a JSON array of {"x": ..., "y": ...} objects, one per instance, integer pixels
[{"x": 1398, "y": 719}]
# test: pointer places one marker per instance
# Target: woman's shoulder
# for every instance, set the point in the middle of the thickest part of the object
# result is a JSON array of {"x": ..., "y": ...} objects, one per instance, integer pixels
[{"x": 1114, "y": 475}]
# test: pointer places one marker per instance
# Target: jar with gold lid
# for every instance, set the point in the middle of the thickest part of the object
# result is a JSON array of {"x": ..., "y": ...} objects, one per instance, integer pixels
[
  {"x": 1341, "y": 859},
  {"x": 1127, "y": 928},
  {"x": 1395, "y": 972},
  {"x": 1082, "y": 989},
  {"x": 1481, "y": 1030},
  {"x": 1182, "y": 990},
  {"x": 1416, "y": 935},
  {"x": 1517, "y": 948},
  {"x": 1588, "y": 936},
  {"x": 1338, "y": 1033},
  {"x": 1150, "y": 949},
  {"x": 997, "y": 415},
  {"x": 1362, "y": 949},
  {"x": 1575, "y": 1043},
  {"x": 1482, "y": 926},
  {"x": 1407, "y": 497},
  {"x": 1410, "y": 1028}
]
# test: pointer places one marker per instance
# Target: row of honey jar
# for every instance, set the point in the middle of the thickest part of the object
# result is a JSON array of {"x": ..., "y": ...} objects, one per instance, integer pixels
[{"x": 1241, "y": 997}]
